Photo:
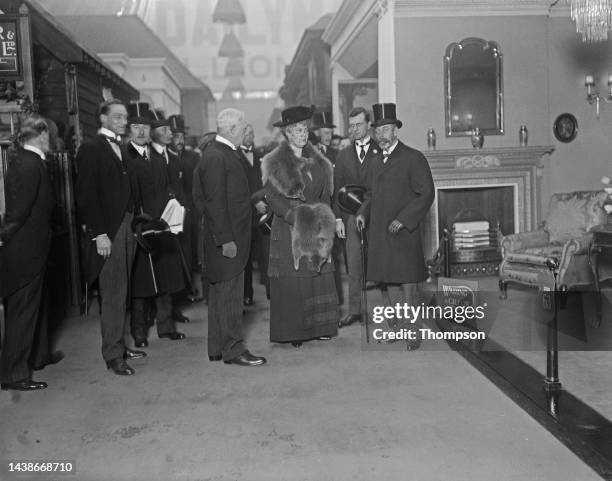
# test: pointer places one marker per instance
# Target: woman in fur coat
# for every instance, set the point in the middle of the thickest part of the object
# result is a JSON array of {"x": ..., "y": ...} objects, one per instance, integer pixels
[{"x": 298, "y": 185}]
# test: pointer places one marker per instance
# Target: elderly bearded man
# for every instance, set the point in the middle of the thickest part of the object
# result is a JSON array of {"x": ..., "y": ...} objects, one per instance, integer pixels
[{"x": 402, "y": 193}]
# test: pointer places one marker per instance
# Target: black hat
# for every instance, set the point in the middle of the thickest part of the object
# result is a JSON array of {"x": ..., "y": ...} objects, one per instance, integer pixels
[
  {"x": 151, "y": 234},
  {"x": 293, "y": 115},
  {"x": 385, "y": 114},
  {"x": 177, "y": 123},
  {"x": 159, "y": 120},
  {"x": 322, "y": 120},
  {"x": 139, "y": 113},
  {"x": 350, "y": 198}
]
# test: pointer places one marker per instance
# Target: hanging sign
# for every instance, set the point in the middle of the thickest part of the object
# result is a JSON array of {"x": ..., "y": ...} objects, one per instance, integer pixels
[{"x": 10, "y": 61}]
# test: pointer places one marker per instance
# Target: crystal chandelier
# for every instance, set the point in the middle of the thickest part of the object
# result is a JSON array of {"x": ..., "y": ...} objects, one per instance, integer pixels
[{"x": 593, "y": 19}]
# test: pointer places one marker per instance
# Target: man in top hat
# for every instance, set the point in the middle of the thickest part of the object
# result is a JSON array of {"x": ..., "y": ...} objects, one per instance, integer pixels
[
  {"x": 156, "y": 275},
  {"x": 323, "y": 128},
  {"x": 107, "y": 197},
  {"x": 354, "y": 166},
  {"x": 226, "y": 202},
  {"x": 402, "y": 193},
  {"x": 187, "y": 162}
]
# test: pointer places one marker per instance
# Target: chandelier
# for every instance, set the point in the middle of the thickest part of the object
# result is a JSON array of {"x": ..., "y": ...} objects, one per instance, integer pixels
[{"x": 593, "y": 19}]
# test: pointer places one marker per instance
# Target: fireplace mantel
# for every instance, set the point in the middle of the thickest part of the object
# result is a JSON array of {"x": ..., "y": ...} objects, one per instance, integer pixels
[
  {"x": 504, "y": 157},
  {"x": 519, "y": 167}
]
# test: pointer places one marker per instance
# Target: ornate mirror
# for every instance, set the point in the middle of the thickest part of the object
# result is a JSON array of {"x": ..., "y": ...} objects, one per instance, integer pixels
[{"x": 473, "y": 88}]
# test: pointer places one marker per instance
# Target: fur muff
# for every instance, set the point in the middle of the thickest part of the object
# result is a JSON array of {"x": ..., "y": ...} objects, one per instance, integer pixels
[
  {"x": 312, "y": 234},
  {"x": 284, "y": 170}
]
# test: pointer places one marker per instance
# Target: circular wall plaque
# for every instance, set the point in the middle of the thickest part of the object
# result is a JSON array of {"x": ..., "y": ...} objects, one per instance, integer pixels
[{"x": 565, "y": 128}]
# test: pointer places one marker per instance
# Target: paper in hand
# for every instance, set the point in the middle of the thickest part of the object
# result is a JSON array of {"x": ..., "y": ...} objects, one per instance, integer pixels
[{"x": 174, "y": 214}]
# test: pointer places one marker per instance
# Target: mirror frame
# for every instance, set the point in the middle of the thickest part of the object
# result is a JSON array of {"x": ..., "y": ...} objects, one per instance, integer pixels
[{"x": 498, "y": 128}]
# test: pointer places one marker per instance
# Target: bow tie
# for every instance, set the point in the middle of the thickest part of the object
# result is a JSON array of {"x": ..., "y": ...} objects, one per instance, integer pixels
[
  {"x": 246, "y": 149},
  {"x": 363, "y": 144}
]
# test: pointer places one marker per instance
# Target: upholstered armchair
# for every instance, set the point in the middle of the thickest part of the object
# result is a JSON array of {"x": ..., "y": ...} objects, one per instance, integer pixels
[{"x": 555, "y": 257}]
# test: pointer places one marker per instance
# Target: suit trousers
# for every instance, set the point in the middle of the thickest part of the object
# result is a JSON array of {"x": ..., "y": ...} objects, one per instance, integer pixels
[
  {"x": 22, "y": 315},
  {"x": 225, "y": 318},
  {"x": 114, "y": 284},
  {"x": 408, "y": 293},
  {"x": 353, "y": 259}
]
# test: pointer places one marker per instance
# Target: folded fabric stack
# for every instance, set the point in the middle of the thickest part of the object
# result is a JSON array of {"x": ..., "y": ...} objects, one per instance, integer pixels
[{"x": 469, "y": 235}]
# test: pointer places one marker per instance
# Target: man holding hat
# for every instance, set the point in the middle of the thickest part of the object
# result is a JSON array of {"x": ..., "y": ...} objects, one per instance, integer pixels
[
  {"x": 106, "y": 198},
  {"x": 402, "y": 193},
  {"x": 354, "y": 167},
  {"x": 158, "y": 274},
  {"x": 187, "y": 162}
]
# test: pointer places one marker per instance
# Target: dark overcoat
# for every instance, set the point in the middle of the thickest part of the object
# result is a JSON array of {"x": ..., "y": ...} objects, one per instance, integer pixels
[
  {"x": 226, "y": 201},
  {"x": 168, "y": 273},
  {"x": 402, "y": 189},
  {"x": 26, "y": 233},
  {"x": 104, "y": 193},
  {"x": 349, "y": 170},
  {"x": 290, "y": 181}
]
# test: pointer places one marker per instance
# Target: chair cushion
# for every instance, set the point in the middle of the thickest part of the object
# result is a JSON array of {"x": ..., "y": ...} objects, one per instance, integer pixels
[
  {"x": 536, "y": 255},
  {"x": 573, "y": 214}
]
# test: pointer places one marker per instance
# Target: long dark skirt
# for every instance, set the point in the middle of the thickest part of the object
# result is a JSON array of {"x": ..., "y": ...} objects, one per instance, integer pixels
[{"x": 303, "y": 308}]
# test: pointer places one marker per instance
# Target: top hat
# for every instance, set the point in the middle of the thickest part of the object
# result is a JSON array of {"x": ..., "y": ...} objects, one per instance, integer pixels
[
  {"x": 293, "y": 115},
  {"x": 350, "y": 198},
  {"x": 322, "y": 120},
  {"x": 151, "y": 234},
  {"x": 177, "y": 123},
  {"x": 385, "y": 114},
  {"x": 159, "y": 120},
  {"x": 139, "y": 113}
]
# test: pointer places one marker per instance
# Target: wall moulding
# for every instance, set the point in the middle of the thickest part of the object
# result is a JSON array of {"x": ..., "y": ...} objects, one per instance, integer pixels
[{"x": 452, "y": 8}]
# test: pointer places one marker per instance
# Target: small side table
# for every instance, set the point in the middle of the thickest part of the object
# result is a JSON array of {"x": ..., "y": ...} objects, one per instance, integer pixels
[{"x": 602, "y": 245}]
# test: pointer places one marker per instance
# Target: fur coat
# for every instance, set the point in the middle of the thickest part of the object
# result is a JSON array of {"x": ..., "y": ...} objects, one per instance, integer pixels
[{"x": 298, "y": 191}]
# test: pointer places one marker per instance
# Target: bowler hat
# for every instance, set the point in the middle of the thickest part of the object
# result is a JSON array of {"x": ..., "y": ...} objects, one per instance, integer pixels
[
  {"x": 350, "y": 198},
  {"x": 293, "y": 115},
  {"x": 139, "y": 113},
  {"x": 177, "y": 123},
  {"x": 322, "y": 120},
  {"x": 159, "y": 120},
  {"x": 151, "y": 234},
  {"x": 385, "y": 114}
]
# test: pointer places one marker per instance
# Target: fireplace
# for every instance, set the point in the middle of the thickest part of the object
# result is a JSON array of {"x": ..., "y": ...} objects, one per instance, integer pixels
[{"x": 499, "y": 186}]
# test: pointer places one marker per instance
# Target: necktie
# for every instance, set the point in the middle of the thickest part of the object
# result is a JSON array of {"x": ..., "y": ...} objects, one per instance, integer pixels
[
  {"x": 385, "y": 156},
  {"x": 114, "y": 140},
  {"x": 145, "y": 155},
  {"x": 362, "y": 152}
]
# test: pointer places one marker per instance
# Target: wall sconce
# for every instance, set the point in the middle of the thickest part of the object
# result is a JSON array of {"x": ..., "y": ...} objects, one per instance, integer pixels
[{"x": 593, "y": 94}]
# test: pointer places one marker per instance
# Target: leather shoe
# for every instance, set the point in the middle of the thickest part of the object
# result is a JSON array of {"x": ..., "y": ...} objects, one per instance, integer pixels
[
  {"x": 247, "y": 359},
  {"x": 133, "y": 354},
  {"x": 349, "y": 319},
  {"x": 218, "y": 357},
  {"x": 53, "y": 358},
  {"x": 178, "y": 316},
  {"x": 173, "y": 336},
  {"x": 248, "y": 301},
  {"x": 23, "y": 385},
  {"x": 324, "y": 338},
  {"x": 296, "y": 344},
  {"x": 120, "y": 367},
  {"x": 141, "y": 343}
]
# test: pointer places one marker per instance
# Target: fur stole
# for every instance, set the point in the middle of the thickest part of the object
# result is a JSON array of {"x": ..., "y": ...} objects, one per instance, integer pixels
[
  {"x": 312, "y": 235},
  {"x": 285, "y": 170}
]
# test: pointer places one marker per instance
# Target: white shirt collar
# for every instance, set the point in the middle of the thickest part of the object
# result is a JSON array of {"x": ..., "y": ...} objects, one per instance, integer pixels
[
  {"x": 223, "y": 140},
  {"x": 365, "y": 141},
  {"x": 36, "y": 150},
  {"x": 139, "y": 148},
  {"x": 109, "y": 133},
  {"x": 160, "y": 149}
]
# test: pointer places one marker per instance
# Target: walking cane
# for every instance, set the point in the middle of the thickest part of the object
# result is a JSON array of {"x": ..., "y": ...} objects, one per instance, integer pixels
[{"x": 364, "y": 296}]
